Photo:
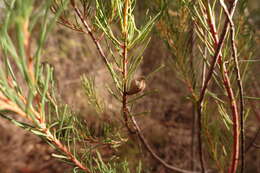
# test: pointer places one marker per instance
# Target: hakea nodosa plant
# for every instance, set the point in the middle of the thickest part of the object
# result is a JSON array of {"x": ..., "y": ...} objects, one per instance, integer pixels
[{"x": 31, "y": 95}]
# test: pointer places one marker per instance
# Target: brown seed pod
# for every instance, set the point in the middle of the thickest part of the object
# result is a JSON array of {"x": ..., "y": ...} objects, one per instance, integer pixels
[{"x": 137, "y": 85}]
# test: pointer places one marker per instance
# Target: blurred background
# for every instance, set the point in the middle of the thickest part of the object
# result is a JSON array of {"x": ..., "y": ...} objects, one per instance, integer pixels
[{"x": 73, "y": 54}]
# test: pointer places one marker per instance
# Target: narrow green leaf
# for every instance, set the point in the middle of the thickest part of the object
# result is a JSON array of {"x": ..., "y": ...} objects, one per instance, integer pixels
[
  {"x": 252, "y": 98},
  {"x": 59, "y": 156},
  {"x": 38, "y": 133}
]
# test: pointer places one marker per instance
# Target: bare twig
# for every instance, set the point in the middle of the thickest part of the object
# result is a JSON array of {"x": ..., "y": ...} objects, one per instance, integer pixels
[
  {"x": 199, "y": 112},
  {"x": 256, "y": 146},
  {"x": 253, "y": 140},
  {"x": 194, "y": 113},
  {"x": 91, "y": 34},
  {"x": 149, "y": 148},
  {"x": 254, "y": 91}
]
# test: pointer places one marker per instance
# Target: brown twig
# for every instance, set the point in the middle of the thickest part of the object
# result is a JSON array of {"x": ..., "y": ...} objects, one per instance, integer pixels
[
  {"x": 9, "y": 105},
  {"x": 102, "y": 54},
  {"x": 27, "y": 48},
  {"x": 199, "y": 112},
  {"x": 218, "y": 59},
  {"x": 149, "y": 148},
  {"x": 239, "y": 83},
  {"x": 254, "y": 91},
  {"x": 126, "y": 112},
  {"x": 253, "y": 140},
  {"x": 124, "y": 72},
  {"x": 91, "y": 34},
  {"x": 235, "y": 119},
  {"x": 65, "y": 150},
  {"x": 194, "y": 113},
  {"x": 124, "y": 68},
  {"x": 256, "y": 146}
]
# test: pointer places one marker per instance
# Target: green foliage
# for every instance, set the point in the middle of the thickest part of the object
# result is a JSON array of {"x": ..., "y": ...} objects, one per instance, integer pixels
[
  {"x": 193, "y": 33},
  {"x": 89, "y": 88},
  {"x": 197, "y": 26},
  {"x": 31, "y": 92}
]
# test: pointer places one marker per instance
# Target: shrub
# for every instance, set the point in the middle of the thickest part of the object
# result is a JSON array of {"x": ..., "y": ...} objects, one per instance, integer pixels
[{"x": 210, "y": 47}]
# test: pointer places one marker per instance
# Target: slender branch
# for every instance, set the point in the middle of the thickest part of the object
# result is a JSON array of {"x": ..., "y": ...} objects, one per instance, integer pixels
[
  {"x": 235, "y": 116},
  {"x": 103, "y": 56},
  {"x": 193, "y": 139},
  {"x": 194, "y": 113},
  {"x": 256, "y": 146},
  {"x": 199, "y": 112},
  {"x": 205, "y": 84},
  {"x": 89, "y": 31},
  {"x": 27, "y": 48},
  {"x": 65, "y": 150},
  {"x": 239, "y": 83},
  {"x": 125, "y": 109},
  {"x": 9, "y": 105},
  {"x": 126, "y": 112},
  {"x": 217, "y": 55},
  {"x": 254, "y": 91},
  {"x": 199, "y": 117},
  {"x": 253, "y": 140},
  {"x": 124, "y": 70},
  {"x": 149, "y": 148},
  {"x": 218, "y": 59}
]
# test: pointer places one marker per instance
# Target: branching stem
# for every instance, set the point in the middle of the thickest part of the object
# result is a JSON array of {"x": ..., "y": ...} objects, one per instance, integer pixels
[
  {"x": 124, "y": 70},
  {"x": 65, "y": 150},
  {"x": 91, "y": 34},
  {"x": 218, "y": 59},
  {"x": 126, "y": 113},
  {"x": 149, "y": 148},
  {"x": 239, "y": 83},
  {"x": 9, "y": 105}
]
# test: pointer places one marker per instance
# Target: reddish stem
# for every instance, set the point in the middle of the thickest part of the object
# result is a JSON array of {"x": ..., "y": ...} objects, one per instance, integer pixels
[
  {"x": 67, "y": 152},
  {"x": 226, "y": 81}
]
